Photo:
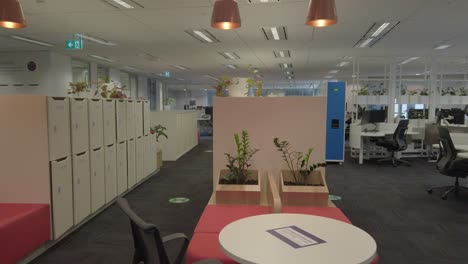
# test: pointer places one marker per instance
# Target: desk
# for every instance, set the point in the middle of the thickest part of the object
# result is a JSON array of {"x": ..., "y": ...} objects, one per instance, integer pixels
[
  {"x": 461, "y": 148},
  {"x": 247, "y": 241},
  {"x": 462, "y": 155},
  {"x": 376, "y": 134}
]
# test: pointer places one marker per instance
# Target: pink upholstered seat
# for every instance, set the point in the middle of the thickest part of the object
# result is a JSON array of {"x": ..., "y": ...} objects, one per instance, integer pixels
[
  {"x": 23, "y": 228},
  {"x": 215, "y": 217}
]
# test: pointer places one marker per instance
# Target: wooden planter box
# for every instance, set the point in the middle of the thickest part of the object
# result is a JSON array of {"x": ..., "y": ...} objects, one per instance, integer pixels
[
  {"x": 304, "y": 195},
  {"x": 159, "y": 161},
  {"x": 238, "y": 193}
]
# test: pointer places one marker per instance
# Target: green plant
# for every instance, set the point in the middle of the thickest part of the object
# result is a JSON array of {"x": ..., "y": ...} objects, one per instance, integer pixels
[
  {"x": 222, "y": 84},
  {"x": 109, "y": 89},
  {"x": 463, "y": 91},
  {"x": 253, "y": 82},
  {"x": 78, "y": 87},
  {"x": 413, "y": 92},
  {"x": 298, "y": 162},
  {"x": 239, "y": 164},
  {"x": 159, "y": 130},
  {"x": 448, "y": 91},
  {"x": 168, "y": 101},
  {"x": 424, "y": 92},
  {"x": 362, "y": 91}
]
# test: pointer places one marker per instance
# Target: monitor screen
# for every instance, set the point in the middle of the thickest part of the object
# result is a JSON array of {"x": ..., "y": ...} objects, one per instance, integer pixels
[{"x": 373, "y": 117}]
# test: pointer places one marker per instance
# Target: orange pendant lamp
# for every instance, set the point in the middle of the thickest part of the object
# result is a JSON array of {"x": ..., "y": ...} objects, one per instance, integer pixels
[
  {"x": 322, "y": 13},
  {"x": 226, "y": 15},
  {"x": 11, "y": 14}
]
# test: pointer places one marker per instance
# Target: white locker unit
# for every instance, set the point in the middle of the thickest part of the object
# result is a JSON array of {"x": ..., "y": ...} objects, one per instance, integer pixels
[
  {"x": 109, "y": 122},
  {"x": 98, "y": 189},
  {"x": 81, "y": 187},
  {"x": 110, "y": 172},
  {"x": 146, "y": 118},
  {"x": 131, "y": 162},
  {"x": 140, "y": 174},
  {"x": 121, "y": 116},
  {"x": 138, "y": 118},
  {"x": 147, "y": 158},
  {"x": 58, "y": 116},
  {"x": 79, "y": 125},
  {"x": 62, "y": 195},
  {"x": 130, "y": 119},
  {"x": 122, "y": 167},
  {"x": 96, "y": 124},
  {"x": 154, "y": 153}
]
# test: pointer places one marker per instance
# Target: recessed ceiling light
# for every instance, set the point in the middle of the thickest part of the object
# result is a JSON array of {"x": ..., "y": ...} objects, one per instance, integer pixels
[
  {"x": 366, "y": 43},
  {"x": 380, "y": 30},
  {"x": 343, "y": 64},
  {"x": 333, "y": 71},
  {"x": 202, "y": 35},
  {"x": 96, "y": 39},
  {"x": 289, "y": 72},
  {"x": 181, "y": 67},
  {"x": 149, "y": 57},
  {"x": 229, "y": 55},
  {"x": 231, "y": 66},
  {"x": 275, "y": 33},
  {"x": 206, "y": 90},
  {"x": 375, "y": 33},
  {"x": 211, "y": 77},
  {"x": 132, "y": 68},
  {"x": 124, "y": 4},
  {"x": 34, "y": 41},
  {"x": 285, "y": 65},
  {"x": 328, "y": 77},
  {"x": 442, "y": 47},
  {"x": 290, "y": 77},
  {"x": 100, "y": 58},
  {"x": 409, "y": 60},
  {"x": 282, "y": 54},
  {"x": 417, "y": 74}
]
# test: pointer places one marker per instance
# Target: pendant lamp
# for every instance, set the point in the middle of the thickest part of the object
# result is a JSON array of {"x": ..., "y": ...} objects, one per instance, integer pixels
[
  {"x": 11, "y": 14},
  {"x": 226, "y": 15},
  {"x": 322, "y": 13}
]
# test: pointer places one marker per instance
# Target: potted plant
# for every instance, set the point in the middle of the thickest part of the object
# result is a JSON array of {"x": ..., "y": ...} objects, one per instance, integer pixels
[
  {"x": 302, "y": 183},
  {"x": 449, "y": 96},
  {"x": 238, "y": 184},
  {"x": 77, "y": 88},
  {"x": 253, "y": 82},
  {"x": 109, "y": 89},
  {"x": 168, "y": 102},
  {"x": 159, "y": 131},
  {"x": 362, "y": 94},
  {"x": 222, "y": 84}
]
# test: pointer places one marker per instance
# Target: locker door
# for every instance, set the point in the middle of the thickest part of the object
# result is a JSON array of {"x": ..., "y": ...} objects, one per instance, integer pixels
[
  {"x": 96, "y": 124},
  {"x": 138, "y": 118},
  {"x": 130, "y": 119},
  {"x": 110, "y": 172},
  {"x": 154, "y": 154},
  {"x": 98, "y": 190},
  {"x": 139, "y": 159},
  {"x": 79, "y": 125},
  {"x": 58, "y": 114},
  {"x": 109, "y": 122},
  {"x": 131, "y": 162},
  {"x": 122, "y": 167},
  {"x": 146, "y": 118},
  {"x": 121, "y": 111},
  {"x": 81, "y": 187},
  {"x": 146, "y": 156},
  {"x": 62, "y": 196}
]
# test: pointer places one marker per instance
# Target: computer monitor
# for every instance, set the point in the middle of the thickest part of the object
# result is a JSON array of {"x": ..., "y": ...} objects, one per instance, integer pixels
[
  {"x": 454, "y": 116},
  {"x": 373, "y": 117}
]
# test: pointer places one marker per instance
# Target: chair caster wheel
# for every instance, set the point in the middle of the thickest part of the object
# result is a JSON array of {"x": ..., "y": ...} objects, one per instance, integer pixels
[{"x": 429, "y": 191}]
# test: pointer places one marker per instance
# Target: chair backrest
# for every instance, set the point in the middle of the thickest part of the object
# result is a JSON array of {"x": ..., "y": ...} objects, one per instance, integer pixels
[
  {"x": 149, "y": 247},
  {"x": 448, "y": 152},
  {"x": 399, "y": 136}
]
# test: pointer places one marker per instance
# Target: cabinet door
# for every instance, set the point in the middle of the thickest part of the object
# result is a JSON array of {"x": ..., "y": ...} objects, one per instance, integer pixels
[
  {"x": 138, "y": 118},
  {"x": 96, "y": 124},
  {"x": 130, "y": 119},
  {"x": 131, "y": 162},
  {"x": 62, "y": 196},
  {"x": 146, "y": 156},
  {"x": 110, "y": 172},
  {"x": 139, "y": 159},
  {"x": 121, "y": 111},
  {"x": 122, "y": 167},
  {"x": 98, "y": 190},
  {"x": 58, "y": 114},
  {"x": 109, "y": 122},
  {"x": 81, "y": 187},
  {"x": 79, "y": 125},
  {"x": 146, "y": 118}
]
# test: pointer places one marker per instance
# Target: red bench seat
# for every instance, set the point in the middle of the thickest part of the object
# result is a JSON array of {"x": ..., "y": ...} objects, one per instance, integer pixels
[{"x": 23, "y": 228}]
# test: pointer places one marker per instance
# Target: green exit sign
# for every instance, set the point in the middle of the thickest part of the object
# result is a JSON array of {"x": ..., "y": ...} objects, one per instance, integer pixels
[{"x": 76, "y": 44}]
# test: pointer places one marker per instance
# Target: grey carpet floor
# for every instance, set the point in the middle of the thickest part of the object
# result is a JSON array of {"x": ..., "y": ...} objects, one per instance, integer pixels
[{"x": 389, "y": 203}]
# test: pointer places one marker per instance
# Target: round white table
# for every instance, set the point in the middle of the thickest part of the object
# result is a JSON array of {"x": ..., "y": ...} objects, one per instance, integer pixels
[{"x": 280, "y": 239}]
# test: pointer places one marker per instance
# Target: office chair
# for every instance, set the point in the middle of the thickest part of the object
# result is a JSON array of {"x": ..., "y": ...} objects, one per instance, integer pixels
[
  {"x": 449, "y": 165},
  {"x": 150, "y": 247},
  {"x": 398, "y": 143}
]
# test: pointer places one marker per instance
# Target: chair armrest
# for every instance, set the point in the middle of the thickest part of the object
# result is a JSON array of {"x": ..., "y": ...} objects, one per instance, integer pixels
[{"x": 183, "y": 249}]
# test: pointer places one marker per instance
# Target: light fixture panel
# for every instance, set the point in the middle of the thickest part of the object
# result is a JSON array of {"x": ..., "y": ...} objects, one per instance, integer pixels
[
  {"x": 375, "y": 33},
  {"x": 282, "y": 54},
  {"x": 124, "y": 4},
  {"x": 229, "y": 55},
  {"x": 275, "y": 33},
  {"x": 285, "y": 65},
  {"x": 202, "y": 35},
  {"x": 33, "y": 41}
]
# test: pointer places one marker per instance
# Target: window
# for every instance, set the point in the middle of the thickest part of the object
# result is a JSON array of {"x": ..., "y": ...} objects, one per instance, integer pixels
[
  {"x": 80, "y": 72},
  {"x": 102, "y": 73}
]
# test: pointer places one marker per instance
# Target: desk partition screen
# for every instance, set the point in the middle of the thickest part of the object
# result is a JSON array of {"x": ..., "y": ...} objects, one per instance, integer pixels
[{"x": 335, "y": 121}]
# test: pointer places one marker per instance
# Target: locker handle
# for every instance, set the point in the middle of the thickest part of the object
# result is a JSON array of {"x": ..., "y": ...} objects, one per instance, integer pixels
[
  {"x": 96, "y": 149},
  {"x": 61, "y": 159},
  {"x": 59, "y": 189},
  {"x": 55, "y": 129},
  {"x": 78, "y": 99},
  {"x": 96, "y": 100},
  {"x": 81, "y": 154},
  {"x": 59, "y": 98}
]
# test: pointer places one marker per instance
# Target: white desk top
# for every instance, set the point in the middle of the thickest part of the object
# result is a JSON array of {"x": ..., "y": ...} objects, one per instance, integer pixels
[
  {"x": 462, "y": 155},
  {"x": 385, "y": 133},
  {"x": 247, "y": 241},
  {"x": 463, "y": 148}
]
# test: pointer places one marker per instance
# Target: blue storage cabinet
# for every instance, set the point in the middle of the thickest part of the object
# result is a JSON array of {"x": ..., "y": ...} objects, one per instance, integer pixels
[{"x": 336, "y": 114}]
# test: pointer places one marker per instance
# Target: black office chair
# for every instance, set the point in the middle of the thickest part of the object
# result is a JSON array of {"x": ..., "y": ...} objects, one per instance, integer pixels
[
  {"x": 150, "y": 248},
  {"x": 398, "y": 143},
  {"x": 449, "y": 165}
]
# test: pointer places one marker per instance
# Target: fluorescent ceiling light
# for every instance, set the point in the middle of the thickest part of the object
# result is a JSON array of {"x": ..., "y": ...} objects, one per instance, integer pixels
[
  {"x": 442, "y": 47},
  {"x": 101, "y": 58},
  {"x": 282, "y": 54},
  {"x": 34, "y": 41},
  {"x": 132, "y": 68},
  {"x": 124, "y": 4},
  {"x": 96, "y": 39},
  {"x": 365, "y": 43},
  {"x": 285, "y": 65},
  {"x": 380, "y": 29},
  {"x": 328, "y": 77},
  {"x": 181, "y": 67},
  {"x": 275, "y": 33},
  {"x": 409, "y": 60},
  {"x": 289, "y": 72},
  {"x": 343, "y": 64},
  {"x": 229, "y": 55},
  {"x": 333, "y": 71},
  {"x": 231, "y": 66},
  {"x": 290, "y": 77},
  {"x": 149, "y": 57},
  {"x": 211, "y": 77},
  {"x": 202, "y": 35}
]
